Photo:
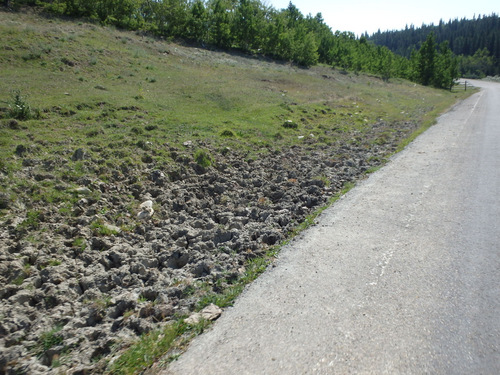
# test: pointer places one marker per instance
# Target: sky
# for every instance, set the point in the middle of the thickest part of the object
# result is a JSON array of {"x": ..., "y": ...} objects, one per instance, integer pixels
[{"x": 359, "y": 16}]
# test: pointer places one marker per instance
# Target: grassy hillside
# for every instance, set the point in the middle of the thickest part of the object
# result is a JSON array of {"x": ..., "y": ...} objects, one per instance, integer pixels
[
  {"x": 235, "y": 152},
  {"x": 108, "y": 88}
]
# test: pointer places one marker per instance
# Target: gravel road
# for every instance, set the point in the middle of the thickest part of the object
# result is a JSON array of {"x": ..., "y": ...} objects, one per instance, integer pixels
[{"x": 402, "y": 275}]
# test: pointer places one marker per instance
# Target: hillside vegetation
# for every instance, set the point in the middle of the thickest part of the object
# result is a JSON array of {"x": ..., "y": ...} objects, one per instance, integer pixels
[
  {"x": 253, "y": 27},
  {"x": 142, "y": 180}
]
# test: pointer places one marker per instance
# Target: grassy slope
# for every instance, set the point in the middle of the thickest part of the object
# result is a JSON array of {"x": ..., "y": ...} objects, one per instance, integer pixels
[
  {"x": 96, "y": 84},
  {"x": 112, "y": 92}
]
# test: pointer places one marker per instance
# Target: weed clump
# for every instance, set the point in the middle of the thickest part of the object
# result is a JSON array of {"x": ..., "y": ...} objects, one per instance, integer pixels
[
  {"x": 289, "y": 124},
  {"x": 51, "y": 338},
  {"x": 203, "y": 158},
  {"x": 99, "y": 228},
  {"x": 32, "y": 221},
  {"x": 19, "y": 109},
  {"x": 136, "y": 130},
  {"x": 227, "y": 133}
]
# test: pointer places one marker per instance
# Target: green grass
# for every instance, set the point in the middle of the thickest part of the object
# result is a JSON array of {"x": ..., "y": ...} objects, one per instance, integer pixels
[
  {"x": 100, "y": 229},
  {"x": 79, "y": 243},
  {"x": 88, "y": 86},
  {"x": 32, "y": 221},
  {"x": 151, "y": 346},
  {"x": 203, "y": 158},
  {"x": 50, "y": 338}
]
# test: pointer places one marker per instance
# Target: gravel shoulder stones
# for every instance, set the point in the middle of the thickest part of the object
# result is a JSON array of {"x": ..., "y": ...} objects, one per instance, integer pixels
[{"x": 128, "y": 259}]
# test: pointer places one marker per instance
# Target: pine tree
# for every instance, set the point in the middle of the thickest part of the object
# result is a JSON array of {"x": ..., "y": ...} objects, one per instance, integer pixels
[
  {"x": 446, "y": 71},
  {"x": 426, "y": 63}
]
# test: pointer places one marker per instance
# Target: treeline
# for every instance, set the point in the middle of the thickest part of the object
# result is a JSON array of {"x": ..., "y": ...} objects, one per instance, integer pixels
[
  {"x": 476, "y": 42},
  {"x": 246, "y": 25}
]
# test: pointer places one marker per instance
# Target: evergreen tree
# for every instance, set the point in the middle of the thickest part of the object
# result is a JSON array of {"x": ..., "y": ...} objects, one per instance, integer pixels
[
  {"x": 465, "y": 38},
  {"x": 426, "y": 61},
  {"x": 446, "y": 71}
]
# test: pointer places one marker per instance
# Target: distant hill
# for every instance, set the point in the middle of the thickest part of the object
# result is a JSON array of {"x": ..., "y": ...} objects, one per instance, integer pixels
[{"x": 477, "y": 41}]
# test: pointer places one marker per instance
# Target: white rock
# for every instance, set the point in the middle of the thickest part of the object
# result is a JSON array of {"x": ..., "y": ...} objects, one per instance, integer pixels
[
  {"x": 146, "y": 214},
  {"x": 211, "y": 312},
  {"x": 146, "y": 205},
  {"x": 146, "y": 210},
  {"x": 83, "y": 190}
]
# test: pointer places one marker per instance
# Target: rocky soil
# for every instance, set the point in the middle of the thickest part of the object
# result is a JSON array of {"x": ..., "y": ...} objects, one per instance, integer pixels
[{"x": 128, "y": 259}]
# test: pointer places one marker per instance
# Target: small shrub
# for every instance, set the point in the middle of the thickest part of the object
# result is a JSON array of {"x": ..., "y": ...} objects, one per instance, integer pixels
[
  {"x": 324, "y": 180},
  {"x": 227, "y": 133},
  {"x": 46, "y": 48},
  {"x": 202, "y": 158},
  {"x": 278, "y": 136},
  {"x": 68, "y": 62},
  {"x": 32, "y": 55},
  {"x": 19, "y": 280},
  {"x": 136, "y": 130},
  {"x": 140, "y": 95},
  {"x": 19, "y": 109},
  {"x": 289, "y": 124},
  {"x": 100, "y": 303},
  {"x": 145, "y": 145}
]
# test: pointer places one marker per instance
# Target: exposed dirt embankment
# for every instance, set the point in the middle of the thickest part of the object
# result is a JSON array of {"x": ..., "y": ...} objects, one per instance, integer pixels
[{"x": 141, "y": 248}]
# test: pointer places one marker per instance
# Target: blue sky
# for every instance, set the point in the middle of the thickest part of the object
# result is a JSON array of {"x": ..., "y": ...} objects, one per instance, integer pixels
[{"x": 359, "y": 16}]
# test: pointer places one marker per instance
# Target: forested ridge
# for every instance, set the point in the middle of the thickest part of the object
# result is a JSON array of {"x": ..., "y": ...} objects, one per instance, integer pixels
[
  {"x": 476, "y": 42},
  {"x": 253, "y": 27}
]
